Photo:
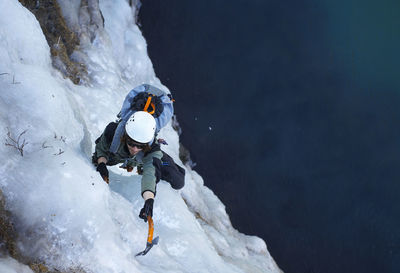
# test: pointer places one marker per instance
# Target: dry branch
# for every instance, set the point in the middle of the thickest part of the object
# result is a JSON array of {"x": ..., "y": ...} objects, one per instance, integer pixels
[{"x": 10, "y": 141}]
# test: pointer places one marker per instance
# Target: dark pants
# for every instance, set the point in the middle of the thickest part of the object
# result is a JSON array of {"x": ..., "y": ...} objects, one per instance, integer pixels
[{"x": 167, "y": 170}]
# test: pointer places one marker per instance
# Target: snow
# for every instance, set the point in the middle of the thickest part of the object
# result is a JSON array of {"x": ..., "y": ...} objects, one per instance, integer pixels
[
  {"x": 64, "y": 213},
  {"x": 9, "y": 265}
]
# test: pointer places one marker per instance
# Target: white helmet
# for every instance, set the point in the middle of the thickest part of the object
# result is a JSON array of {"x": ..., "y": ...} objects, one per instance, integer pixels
[{"x": 141, "y": 127}]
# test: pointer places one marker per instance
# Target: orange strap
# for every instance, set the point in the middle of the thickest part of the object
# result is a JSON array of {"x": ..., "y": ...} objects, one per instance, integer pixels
[{"x": 148, "y": 103}]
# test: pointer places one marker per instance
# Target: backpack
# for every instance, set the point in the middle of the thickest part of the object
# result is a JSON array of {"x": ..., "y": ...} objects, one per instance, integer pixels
[
  {"x": 147, "y": 98},
  {"x": 145, "y": 101}
]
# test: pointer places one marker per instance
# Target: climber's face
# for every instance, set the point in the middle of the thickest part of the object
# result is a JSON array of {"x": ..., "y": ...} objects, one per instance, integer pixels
[{"x": 133, "y": 150}]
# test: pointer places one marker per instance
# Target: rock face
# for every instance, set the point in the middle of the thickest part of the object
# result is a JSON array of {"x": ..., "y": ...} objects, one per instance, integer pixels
[
  {"x": 62, "y": 41},
  {"x": 7, "y": 232}
]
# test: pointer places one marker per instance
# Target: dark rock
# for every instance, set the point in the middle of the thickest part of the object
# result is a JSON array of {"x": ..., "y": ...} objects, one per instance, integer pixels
[{"x": 61, "y": 40}]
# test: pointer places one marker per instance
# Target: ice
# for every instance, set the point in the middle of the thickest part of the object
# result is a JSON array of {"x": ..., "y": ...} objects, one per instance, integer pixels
[
  {"x": 9, "y": 265},
  {"x": 64, "y": 213}
]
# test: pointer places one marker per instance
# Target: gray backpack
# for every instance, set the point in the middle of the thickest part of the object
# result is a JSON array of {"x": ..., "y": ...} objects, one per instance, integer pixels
[{"x": 147, "y": 98}]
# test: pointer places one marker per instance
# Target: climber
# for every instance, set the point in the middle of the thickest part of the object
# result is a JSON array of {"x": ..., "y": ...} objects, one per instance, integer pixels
[{"x": 138, "y": 147}]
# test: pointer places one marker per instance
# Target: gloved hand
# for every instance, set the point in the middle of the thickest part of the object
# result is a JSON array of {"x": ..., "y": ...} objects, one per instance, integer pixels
[
  {"x": 102, "y": 169},
  {"x": 147, "y": 209},
  {"x": 127, "y": 168}
]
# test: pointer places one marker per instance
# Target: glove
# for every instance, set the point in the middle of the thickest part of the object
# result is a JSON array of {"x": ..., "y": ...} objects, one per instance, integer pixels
[
  {"x": 127, "y": 168},
  {"x": 147, "y": 209},
  {"x": 102, "y": 169},
  {"x": 162, "y": 141}
]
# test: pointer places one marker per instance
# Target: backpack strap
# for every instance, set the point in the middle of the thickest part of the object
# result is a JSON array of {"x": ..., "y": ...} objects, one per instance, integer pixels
[
  {"x": 116, "y": 140},
  {"x": 148, "y": 103},
  {"x": 109, "y": 132}
]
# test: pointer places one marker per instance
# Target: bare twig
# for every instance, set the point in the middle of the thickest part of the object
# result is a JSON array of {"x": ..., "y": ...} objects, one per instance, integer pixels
[
  {"x": 59, "y": 152},
  {"x": 44, "y": 146},
  {"x": 14, "y": 82},
  {"x": 62, "y": 138},
  {"x": 10, "y": 141}
]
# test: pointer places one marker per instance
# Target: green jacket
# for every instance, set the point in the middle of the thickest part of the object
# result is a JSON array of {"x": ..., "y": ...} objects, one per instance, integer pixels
[{"x": 142, "y": 160}]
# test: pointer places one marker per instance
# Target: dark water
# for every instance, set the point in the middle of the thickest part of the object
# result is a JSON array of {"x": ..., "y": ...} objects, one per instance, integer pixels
[{"x": 302, "y": 98}]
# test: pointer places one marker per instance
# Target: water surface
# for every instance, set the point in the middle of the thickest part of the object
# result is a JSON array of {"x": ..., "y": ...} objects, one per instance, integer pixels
[{"x": 291, "y": 111}]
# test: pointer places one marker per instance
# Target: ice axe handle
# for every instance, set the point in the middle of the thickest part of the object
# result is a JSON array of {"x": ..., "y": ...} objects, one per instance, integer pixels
[
  {"x": 151, "y": 229},
  {"x": 150, "y": 242}
]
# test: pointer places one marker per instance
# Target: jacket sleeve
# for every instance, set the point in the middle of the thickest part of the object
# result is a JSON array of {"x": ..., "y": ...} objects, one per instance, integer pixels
[
  {"x": 102, "y": 148},
  {"x": 151, "y": 171}
]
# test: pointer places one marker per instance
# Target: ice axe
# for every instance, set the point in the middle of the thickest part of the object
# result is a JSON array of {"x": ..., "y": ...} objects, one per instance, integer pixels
[{"x": 150, "y": 242}]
